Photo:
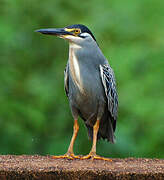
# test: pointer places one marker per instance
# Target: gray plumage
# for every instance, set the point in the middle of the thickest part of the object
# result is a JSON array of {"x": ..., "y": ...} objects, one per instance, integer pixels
[
  {"x": 90, "y": 86},
  {"x": 99, "y": 95}
]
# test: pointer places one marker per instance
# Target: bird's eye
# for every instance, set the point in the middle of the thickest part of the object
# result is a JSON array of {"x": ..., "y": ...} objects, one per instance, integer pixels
[{"x": 77, "y": 31}]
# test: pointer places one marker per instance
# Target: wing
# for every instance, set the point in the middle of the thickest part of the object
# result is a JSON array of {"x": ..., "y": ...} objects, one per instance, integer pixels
[
  {"x": 108, "y": 80},
  {"x": 66, "y": 80}
]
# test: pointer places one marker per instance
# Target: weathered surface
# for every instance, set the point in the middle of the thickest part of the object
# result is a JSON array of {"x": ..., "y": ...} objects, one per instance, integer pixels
[{"x": 45, "y": 167}]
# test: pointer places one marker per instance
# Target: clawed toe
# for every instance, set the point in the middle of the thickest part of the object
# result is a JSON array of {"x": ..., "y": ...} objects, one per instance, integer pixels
[
  {"x": 91, "y": 156},
  {"x": 66, "y": 156}
]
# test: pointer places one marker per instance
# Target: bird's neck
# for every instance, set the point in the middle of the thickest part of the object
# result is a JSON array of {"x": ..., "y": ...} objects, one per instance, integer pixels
[{"x": 74, "y": 66}]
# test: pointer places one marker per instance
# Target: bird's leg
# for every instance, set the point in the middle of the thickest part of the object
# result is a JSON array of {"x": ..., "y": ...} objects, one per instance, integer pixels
[
  {"x": 75, "y": 131},
  {"x": 92, "y": 153},
  {"x": 70, "y": 153},
  {"x": 93, "y": 150},
  {"x": 95, "y": 131}
]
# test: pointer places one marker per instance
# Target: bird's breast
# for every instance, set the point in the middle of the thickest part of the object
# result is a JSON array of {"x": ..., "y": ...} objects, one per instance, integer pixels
[
  {"x": 75, "y": 70},
  {"x": 84, "y": 75}
]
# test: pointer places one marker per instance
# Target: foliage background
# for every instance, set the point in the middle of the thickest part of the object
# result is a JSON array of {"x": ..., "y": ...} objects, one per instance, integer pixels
[{"x": 34, "y": 112}]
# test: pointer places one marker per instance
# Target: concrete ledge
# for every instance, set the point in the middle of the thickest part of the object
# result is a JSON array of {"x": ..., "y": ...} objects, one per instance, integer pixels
[{"x": 45, "y": 167}]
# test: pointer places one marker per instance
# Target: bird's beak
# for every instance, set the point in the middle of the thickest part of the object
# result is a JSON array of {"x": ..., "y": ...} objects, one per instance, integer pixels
[{"x": 56, "y": 32}]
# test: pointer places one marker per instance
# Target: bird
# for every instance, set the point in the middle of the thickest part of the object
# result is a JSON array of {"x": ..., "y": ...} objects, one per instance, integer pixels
[{"x": 90, "y": 86}]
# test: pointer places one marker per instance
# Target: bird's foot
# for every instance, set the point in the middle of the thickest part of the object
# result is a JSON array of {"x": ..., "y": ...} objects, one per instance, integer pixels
[
  {"x": 66, "y": 156},
  {"x": 94, "y": 156}
]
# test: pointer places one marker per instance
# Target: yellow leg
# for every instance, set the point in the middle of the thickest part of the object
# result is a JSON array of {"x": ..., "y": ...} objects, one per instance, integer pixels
[
  {"x": 70, "y": 149},
  {"x": 95, "y": 131},
  {"x": 92, "y": 153},
  {"x": 70, "y": 153}
]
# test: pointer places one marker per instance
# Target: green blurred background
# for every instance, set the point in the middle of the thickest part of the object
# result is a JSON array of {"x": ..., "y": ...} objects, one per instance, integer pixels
[{"x": 34, "y": 112}]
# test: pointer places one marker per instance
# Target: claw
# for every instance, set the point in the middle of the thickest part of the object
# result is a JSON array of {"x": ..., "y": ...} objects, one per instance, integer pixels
[
  {"x": 75, "y": 156},
  {"x": 90, "y": 156},
  {"x": 66, "y": 156},
  {"x": 63, "y": 157}
]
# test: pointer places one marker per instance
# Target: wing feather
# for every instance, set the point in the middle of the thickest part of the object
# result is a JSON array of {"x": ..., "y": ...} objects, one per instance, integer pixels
[
  {"x": 108, "y": 80},
  {"x": 66, "y": 80}
]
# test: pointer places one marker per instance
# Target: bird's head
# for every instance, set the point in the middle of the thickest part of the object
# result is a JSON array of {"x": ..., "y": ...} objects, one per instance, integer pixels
[{"x": 76, "y": 34}]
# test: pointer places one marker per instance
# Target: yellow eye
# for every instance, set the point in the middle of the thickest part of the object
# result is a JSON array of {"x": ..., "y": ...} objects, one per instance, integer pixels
[{"x": 77, "y": 31}]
